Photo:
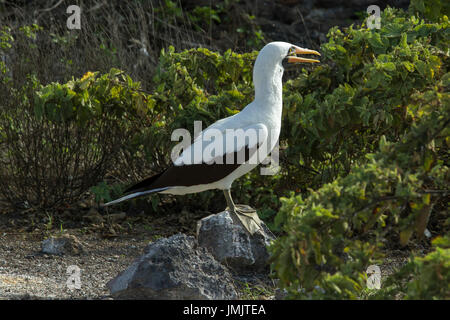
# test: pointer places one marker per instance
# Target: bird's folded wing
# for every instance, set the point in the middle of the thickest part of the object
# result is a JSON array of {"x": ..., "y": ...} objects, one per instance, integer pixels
[
  {"x": 218, "y": 143},
  {"x": 212, "y": 167}
]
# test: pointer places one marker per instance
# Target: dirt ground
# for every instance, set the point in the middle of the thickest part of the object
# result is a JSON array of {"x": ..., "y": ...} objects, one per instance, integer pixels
[
  {"x": 110, "y": 241},
  {"x": 109, "y": 246},
  {"x": 25, "y": 273}
]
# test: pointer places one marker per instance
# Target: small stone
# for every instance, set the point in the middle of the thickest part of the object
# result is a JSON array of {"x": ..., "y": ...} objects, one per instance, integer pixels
[
  {"x": 65, "y": 244},
  {"x": 228, "y": 241},
  {"x": 174, "y": 268}
]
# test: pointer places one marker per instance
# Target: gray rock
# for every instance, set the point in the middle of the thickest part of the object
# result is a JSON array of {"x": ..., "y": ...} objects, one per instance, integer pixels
[
  {"x": 227, "y": 240},
  {"x": 174, "y": 268},
  {"x": 65, "y": 244}
]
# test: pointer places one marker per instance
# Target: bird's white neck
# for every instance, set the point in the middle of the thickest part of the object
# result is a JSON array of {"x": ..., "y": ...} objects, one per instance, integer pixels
[
  {"x": 268, "y": 103},
  {"x": 268, "y": 83}
]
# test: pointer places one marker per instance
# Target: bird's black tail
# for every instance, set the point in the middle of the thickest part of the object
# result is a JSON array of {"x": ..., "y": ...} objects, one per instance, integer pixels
[{"x": 140, "y": 189}]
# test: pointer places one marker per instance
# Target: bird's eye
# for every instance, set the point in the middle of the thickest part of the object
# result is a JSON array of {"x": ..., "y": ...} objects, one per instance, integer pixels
[{"x": 291, "y": 50}]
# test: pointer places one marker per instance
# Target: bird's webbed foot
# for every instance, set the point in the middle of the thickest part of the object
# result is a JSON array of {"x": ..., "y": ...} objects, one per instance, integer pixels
[{"x": 247, "y": 216}]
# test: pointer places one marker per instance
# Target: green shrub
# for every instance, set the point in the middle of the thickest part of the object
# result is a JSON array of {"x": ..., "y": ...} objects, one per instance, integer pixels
[
  {"x": 375, "y": 120},
  {"x": 59, "y": 140},
  {"x": 430, "y": 9}
]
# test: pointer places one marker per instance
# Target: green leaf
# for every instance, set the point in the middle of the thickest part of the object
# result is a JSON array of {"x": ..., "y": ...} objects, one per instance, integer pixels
[{"x": 408, "y": 66}]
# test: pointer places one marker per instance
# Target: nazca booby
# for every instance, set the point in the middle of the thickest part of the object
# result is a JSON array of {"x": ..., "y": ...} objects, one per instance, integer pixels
[{"x": 190, "y": 173}]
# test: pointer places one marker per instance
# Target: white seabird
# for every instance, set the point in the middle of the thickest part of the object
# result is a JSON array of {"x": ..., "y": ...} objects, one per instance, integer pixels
[{"x": 191, "y": 174}]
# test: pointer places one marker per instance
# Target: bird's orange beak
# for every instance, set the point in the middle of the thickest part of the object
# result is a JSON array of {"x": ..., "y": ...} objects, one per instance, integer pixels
[{"x": 298, "y": 50}]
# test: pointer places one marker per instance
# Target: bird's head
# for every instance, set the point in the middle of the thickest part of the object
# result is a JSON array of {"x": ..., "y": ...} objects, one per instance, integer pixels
[
  {"x": 273, "y": 59},
  {"x": 283, "y": 54}
]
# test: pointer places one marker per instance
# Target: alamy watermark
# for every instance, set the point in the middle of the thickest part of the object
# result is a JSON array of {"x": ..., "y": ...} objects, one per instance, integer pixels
[
  {"x": 74, "y": 20},
  {"x": 374, "y": 20},
  {"x": 74, "y": 279},
  {"x": 373, "y": 277}
]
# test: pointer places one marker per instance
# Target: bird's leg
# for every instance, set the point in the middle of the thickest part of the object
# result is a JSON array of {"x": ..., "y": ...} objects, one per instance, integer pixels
[{"x": 246, "y": 215}]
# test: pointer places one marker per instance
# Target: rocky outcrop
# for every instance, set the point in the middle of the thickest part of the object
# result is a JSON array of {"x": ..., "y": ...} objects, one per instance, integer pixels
[
  {"x": 232, "y": 245},
  {"x": 174, "y": 268}
]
